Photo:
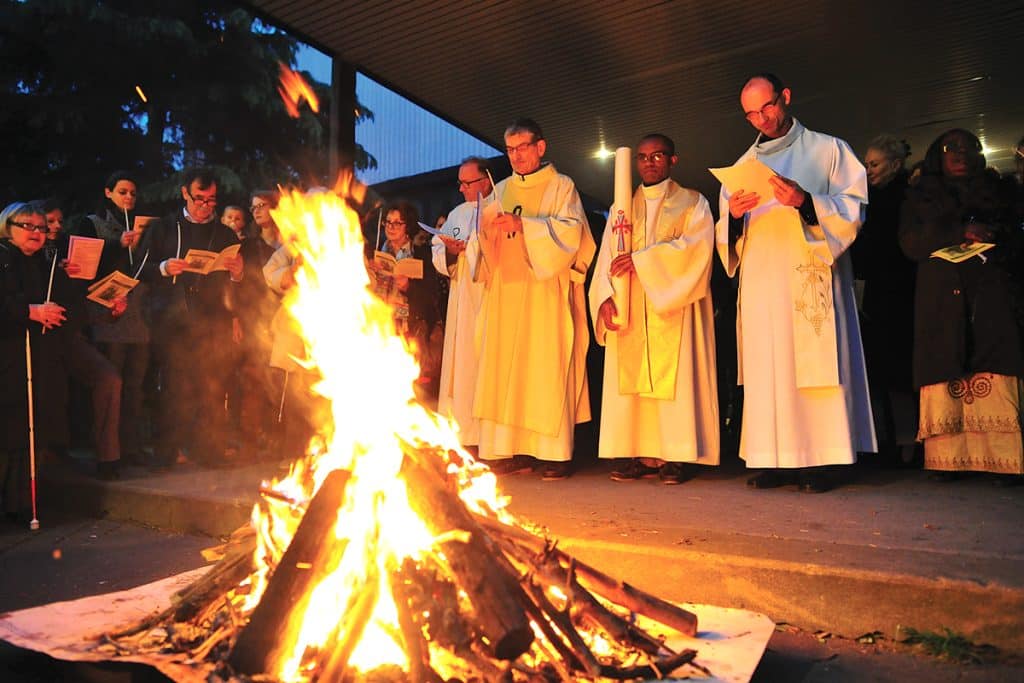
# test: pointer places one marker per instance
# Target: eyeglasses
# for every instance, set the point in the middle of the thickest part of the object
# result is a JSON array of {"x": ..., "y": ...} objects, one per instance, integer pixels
[
  {"x": 653, "y": 157},
  {"x": 393, "y": 224},
  {"x": 467, "y": 183},
  {"x": 203, "y": 201},
  {"x": 257, "y": 207},
  {"x": 961, "y": 148},
  {"x": 760, "y": 114},
  {"x": 31, "y": 227},
  {"x": 520, "y": 148}
]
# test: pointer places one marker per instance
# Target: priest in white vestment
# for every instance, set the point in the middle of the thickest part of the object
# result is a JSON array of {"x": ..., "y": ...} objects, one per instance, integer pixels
[
  {"x": 459, "y": 358},
  {"x": 660, "y": 397},
  {"x": 800, "y": 360},
  {"x": 532, "y": 330}
]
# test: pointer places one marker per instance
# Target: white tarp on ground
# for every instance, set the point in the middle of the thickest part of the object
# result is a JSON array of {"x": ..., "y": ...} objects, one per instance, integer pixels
[{"x": 730, "y": 641}]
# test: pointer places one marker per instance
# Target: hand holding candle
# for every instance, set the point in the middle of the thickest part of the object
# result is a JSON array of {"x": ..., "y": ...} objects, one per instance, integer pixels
[{"x": 622, "y": 224}]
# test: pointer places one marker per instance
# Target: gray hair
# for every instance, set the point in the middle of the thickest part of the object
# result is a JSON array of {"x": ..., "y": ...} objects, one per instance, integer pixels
[
  {"x": 891, "y": 147},
  {"x": 13, "y": 211}
]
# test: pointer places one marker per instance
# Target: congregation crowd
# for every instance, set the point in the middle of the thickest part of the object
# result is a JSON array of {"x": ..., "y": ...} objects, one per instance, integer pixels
[{"x": 879, "y": 308}]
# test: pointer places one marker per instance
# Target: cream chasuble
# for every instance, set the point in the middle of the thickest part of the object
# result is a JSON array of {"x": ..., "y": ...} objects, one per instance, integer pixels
[
  {"x": 660, "y": 396},
  {"x": 459, "y": 358},
  {"x": 800, "y": 356},
  {"x": 532, "y": 327}
]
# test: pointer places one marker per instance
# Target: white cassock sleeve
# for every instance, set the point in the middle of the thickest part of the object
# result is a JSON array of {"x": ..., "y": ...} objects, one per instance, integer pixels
[
  {"x": 552, "y": 242},
  {"x": 275, "y": 267},
  {"x": 601, "y": 284},
  {"x": 439, "y": 257},
  {"x": 840, "y": 209},
  {"x": 676, "y": 273},
  {"x": 729, "y": 253}
]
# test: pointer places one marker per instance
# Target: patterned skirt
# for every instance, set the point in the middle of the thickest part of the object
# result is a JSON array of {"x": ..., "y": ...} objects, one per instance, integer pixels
[{"x": 973, "y": 423}]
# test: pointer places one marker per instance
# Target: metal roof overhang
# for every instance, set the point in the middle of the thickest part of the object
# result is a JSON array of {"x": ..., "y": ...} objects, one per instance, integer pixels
[{"x": 599, "y": 73}]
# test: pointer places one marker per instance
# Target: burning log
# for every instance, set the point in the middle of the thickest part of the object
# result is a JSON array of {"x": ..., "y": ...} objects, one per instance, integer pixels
[
  {"x": 618, "y": 592},
  {"x": 495, "y": 595},
  {"x": 412, "y": 634},
  {"x": 262, "y": 645}
]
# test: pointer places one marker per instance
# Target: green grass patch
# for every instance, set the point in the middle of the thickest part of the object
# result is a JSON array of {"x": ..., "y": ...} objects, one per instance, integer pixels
[{"x": 948, "y": 645}]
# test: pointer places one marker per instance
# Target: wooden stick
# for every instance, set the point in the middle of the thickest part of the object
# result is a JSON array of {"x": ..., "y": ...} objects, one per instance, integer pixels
[
  {"x": 412, "y": 635},
  {"x": 583, "y": 603},
  {"x": 657, "y": 669},
  {"x": 619, "y": 592},
  {"x": 265, "y": 643},
  {"x": 350, "y": 629},
  {"x": 494, "y": 593},
  {"x": 571, "y": 657}
]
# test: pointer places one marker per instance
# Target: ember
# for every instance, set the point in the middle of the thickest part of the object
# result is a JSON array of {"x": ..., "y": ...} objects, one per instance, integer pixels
[{"x": 387, "y": 550}]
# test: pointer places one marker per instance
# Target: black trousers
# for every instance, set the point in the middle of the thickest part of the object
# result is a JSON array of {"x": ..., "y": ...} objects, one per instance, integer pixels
[
  {"x": 89, "y": 367},
  {"x": 194, "y": 375}
]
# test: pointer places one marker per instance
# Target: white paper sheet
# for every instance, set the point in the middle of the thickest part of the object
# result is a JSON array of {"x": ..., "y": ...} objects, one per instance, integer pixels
[
  {"x": 730, "y": 642},
  {"x": 750, "y": 176},
  {"x": 86, "y": 252}
]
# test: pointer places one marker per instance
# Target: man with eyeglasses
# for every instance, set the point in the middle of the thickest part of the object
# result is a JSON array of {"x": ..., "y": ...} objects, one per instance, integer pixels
[
  {"x": 459, "y": 358},
  {"x": 800, "y": 356},
  {"x": 660, "y": 397},
  {"x": 531, "y": 386},
  {"x": 191, "y": 326}
]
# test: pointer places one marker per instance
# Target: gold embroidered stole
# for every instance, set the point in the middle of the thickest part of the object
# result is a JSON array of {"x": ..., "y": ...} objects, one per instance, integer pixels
[{"x": 648, "y": 348}]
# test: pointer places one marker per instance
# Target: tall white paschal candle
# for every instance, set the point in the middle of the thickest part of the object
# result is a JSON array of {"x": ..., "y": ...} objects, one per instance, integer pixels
[{"x": 622, "y": 219}]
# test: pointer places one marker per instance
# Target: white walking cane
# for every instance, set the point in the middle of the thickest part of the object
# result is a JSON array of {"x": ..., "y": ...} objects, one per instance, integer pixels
[{"x": 34, "y": 524}]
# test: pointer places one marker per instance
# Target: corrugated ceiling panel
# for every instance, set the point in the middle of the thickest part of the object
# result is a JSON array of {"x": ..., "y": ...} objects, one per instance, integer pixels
[{"x": 595, "y": 71}]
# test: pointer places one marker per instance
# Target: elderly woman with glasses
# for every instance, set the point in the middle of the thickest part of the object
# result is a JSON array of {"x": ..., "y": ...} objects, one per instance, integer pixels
[
  {"x": 416, "y": 301},
  {"x": 24, "y": 305},
  {"x": 256, "y": 304},
  {"x": 968, "y": 359}
]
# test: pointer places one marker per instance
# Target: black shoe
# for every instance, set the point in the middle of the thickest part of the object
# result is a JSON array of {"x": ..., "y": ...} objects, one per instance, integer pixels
[
  {"x": 554, "y": 471},
  {"x": 771, "y": 479},
  {"x": 1008, "y": 480},
  {"x": 631, "y": 470},
  {"x": 811, "y": 480},
  {"x": 944, "y": 476},
  {"x": 108, "y": 470},
  {"x": 672, "y": 473},
  {"x": 518, "y": 464}
]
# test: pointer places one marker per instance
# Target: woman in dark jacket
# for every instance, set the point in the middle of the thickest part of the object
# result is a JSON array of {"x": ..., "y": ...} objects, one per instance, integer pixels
[
  {"x": 24, "y": 280},
  {"x": 968, "y": 361},
  {"x": 415, "y": 300},
  {"x": 887, "y": 308},
  {"x": 124, "y": 338}
]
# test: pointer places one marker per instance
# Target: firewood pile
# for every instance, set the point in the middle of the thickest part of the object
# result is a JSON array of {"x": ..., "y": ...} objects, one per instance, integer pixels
[{"x": 492, "y": 601}]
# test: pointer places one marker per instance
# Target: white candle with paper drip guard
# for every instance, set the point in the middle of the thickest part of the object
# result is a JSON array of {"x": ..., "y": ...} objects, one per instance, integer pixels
[
  {"x": 380, "y": 218},
  {"x": 49, "y": 287},
  {"x": 127, "y": 226},
  {"x": 621, "y": 221}
]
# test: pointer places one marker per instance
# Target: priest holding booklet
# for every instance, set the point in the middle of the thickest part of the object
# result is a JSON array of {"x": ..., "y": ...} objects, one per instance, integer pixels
[
  {"x": 800, "y": 356},
  {"x": 191, "y": 324}
]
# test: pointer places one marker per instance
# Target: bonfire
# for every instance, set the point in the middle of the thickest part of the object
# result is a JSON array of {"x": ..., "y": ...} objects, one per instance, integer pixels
[{"x": 387, "y": 552}]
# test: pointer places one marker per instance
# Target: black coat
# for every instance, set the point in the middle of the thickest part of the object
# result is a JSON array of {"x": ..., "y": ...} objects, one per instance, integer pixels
[
  {"x": 889, "y": 276},
  {"x": 964, "y": 316},
  {"x": 199, "y": 305},
  {"x": 23, "y": 281}
]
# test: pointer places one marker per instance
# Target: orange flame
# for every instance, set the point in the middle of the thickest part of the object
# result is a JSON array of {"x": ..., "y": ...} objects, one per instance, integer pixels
[
  {"x": 293, "y": 90},
  {"x": 367, "y": 374}
]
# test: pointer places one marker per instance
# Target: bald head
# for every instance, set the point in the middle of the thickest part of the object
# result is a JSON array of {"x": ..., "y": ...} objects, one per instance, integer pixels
[{"x": 765, "y": 101}]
